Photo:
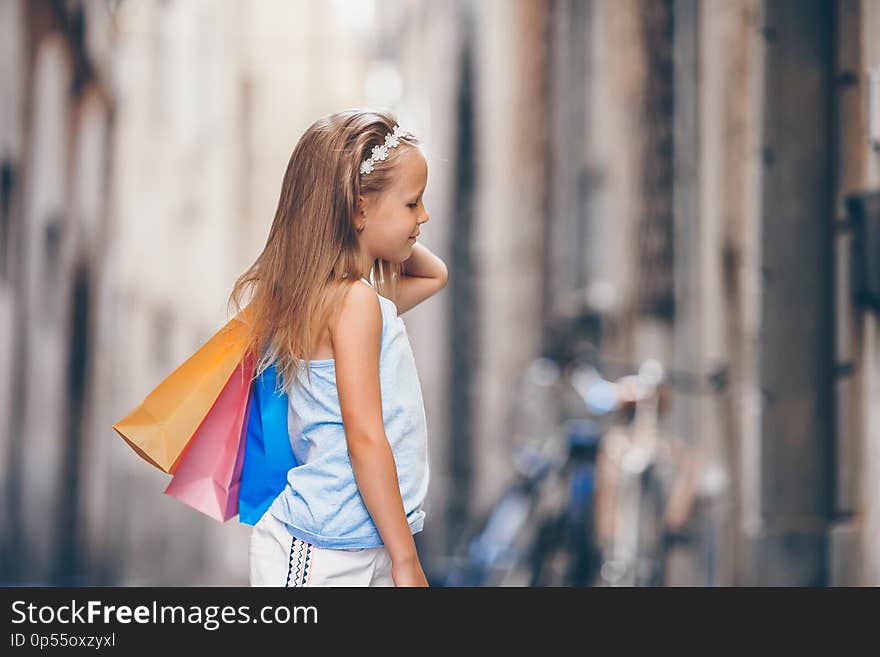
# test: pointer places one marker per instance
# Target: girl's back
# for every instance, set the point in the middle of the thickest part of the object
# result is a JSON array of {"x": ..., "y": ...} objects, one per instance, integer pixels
[{"x": 321, "y": 503}]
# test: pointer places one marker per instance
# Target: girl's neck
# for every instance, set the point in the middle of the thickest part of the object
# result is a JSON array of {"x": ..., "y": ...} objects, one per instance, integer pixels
[{"x": 366, "y": 266}]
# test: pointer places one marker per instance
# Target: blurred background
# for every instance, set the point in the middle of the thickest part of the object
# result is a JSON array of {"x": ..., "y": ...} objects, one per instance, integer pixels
[{"x": 657, "y": 359}]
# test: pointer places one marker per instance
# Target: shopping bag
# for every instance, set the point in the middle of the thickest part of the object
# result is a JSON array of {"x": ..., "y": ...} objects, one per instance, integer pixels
[
  {"x": 268, "y": 453},
  {"x": 160, "y": 427},
  {"x": 208, "y": 475}
]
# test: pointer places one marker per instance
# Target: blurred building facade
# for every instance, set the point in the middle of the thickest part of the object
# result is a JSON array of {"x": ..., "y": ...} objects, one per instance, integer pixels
[
  {"x": 698, "y": 159},
  {"x": 56, "y": 131}
]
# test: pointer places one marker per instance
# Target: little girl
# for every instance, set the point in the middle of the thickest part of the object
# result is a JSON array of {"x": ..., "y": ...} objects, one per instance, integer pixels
[{"x": 328, "y": 290}]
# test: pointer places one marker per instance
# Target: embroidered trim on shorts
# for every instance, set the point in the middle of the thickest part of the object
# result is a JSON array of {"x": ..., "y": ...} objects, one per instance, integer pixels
[{"x": 299, "y": 563}]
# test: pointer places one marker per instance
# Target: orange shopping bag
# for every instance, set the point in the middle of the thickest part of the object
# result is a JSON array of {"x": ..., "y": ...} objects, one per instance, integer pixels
[{"x": 161, "y": 426}]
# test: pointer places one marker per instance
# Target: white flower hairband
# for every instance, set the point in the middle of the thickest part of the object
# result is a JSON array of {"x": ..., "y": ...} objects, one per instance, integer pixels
[{"x": 380, "y": 152}]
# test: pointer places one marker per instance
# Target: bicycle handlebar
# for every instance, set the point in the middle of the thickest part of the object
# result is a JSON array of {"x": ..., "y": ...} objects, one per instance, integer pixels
[{"x": 681, "y": 381}]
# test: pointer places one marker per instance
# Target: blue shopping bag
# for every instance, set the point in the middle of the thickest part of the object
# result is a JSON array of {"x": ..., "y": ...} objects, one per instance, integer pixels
[{"x": 268, "y": 455}]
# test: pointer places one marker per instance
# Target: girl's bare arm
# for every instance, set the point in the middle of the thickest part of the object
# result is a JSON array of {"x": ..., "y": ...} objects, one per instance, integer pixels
[
  {"x": 356, "y": 337},
  {"x": 424, "y": 274}
]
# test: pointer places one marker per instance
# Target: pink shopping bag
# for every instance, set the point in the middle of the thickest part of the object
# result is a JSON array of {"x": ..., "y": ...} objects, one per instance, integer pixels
[{"x": 208, "y": 476}]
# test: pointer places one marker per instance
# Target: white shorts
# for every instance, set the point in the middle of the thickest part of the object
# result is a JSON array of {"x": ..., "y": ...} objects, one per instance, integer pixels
[{"x": 279, "y": 559}]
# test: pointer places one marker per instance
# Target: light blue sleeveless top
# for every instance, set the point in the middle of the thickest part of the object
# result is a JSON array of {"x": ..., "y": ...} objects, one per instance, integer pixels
[{"x": 321, "y": 503}]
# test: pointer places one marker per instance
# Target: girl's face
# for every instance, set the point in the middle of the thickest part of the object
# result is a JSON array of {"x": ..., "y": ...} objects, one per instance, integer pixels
[{"x": 393, "y": 218}]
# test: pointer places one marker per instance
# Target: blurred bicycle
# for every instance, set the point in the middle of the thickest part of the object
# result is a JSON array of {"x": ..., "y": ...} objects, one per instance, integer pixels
[
  {"x": 599, "y": 495},
  {"x": 540, "y": 530},
  {"x": 651, "y": 483}
]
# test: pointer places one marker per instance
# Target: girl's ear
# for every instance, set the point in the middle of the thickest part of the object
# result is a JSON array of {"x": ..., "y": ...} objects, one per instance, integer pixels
[{"x": 361, "y": 205}]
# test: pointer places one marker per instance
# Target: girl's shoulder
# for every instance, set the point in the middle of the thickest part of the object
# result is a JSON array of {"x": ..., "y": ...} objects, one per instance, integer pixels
[
  {"x": 363, "y": 299},
  {"x": 360, "y": 322},
  {"x": 339, "y": 291},
  {"x": 361, "y": 303}
]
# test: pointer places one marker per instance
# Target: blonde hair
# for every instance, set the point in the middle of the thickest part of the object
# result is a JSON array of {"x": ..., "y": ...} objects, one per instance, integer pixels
[{"x": 312, "y": 243}]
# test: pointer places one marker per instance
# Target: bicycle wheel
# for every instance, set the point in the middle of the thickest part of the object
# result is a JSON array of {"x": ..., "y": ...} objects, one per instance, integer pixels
[
  {"x": 550, "y": 555},
  {"x": 650, "y": 563},
  {"x": 565, "y": 551}
]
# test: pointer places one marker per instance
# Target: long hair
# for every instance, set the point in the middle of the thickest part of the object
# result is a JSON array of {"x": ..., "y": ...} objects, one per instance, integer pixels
[{"x": 312, "y": 244}]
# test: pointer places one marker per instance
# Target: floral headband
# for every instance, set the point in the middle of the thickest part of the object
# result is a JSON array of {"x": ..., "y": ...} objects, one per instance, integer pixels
[{"x": 392, "y": 140}]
